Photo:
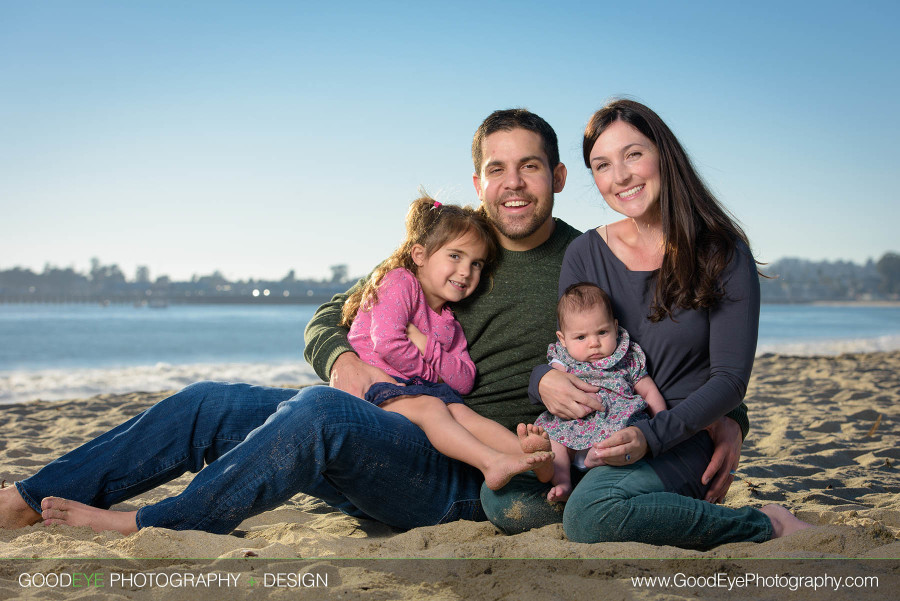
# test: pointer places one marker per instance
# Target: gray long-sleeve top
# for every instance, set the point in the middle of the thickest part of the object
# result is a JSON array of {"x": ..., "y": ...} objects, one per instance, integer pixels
[{"x": 701, "y": 360}]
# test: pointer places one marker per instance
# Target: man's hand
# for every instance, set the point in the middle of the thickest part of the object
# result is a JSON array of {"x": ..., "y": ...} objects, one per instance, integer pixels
[
  {"x": 622, "y": 448},
  {"x": 726, "y": 436},
  {"x": 415, "y": 335},
  {"x": 353, "y": 375},
  {"x": 566, "y": 396}
]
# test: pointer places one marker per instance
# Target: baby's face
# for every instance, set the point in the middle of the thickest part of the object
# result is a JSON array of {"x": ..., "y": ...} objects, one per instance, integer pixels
[{"x": 589, "y": 335}]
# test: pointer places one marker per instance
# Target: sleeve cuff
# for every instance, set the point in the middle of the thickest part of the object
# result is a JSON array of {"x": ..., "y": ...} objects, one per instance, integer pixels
[
  {"x": 331, "y": 356},
  {"x": 739, "y": 414},
  {"x": 653, "y": 444},
  {"x": 537, "y": 373}
]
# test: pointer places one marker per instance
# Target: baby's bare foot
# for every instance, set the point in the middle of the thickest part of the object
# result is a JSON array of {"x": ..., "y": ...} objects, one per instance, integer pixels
[
  {"x": 73, "y": 513},
  {"x": 532, "y": 438},
  {"x": 783, "y": 521},
  {"x": 14, "y": 511},
  {"x": 559, "y": 493},
  {"x": 497, "y": 475}
]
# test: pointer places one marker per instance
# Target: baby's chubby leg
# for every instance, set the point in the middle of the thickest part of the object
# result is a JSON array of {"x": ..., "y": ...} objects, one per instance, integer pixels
[{"x": 562, "y": 476}]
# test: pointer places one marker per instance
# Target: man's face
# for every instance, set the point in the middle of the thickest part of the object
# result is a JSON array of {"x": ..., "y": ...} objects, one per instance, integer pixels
[{"x": 516, "y": 187}]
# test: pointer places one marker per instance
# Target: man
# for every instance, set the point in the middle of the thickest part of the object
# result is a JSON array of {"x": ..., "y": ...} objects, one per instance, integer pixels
[{"x": 263, "y": 445}]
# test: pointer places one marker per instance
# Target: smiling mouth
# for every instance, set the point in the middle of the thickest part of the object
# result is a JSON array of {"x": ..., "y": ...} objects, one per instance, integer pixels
[
  {"x": 514, "y": 204},
  {"x": 458, "y": 285},
  {"x": 630, "y": 192}
]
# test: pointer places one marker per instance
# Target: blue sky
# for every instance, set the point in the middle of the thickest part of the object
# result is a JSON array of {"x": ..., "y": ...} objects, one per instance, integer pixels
[{"x": 261, "y": 137}]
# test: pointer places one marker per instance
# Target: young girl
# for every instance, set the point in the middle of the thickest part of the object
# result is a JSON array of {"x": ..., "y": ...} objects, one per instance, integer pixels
[
  {"x": 593, "y": 347},
  {"x": 400, "y": 322}
]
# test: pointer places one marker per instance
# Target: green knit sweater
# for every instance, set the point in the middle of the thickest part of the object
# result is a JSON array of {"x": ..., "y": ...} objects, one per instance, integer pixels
[{"x": 508, "y": 324}]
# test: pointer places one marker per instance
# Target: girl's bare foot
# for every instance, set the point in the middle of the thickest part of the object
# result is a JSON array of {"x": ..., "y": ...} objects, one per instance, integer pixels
[
  {"x": 533, "y": 439},
  {"x": 499, "y": 473},
  {"x": 783, "y": 521},
  {"x": 14, "y": 511},
  {"x": 560, "y": 493},
  {"x": 73, "y": 513}
]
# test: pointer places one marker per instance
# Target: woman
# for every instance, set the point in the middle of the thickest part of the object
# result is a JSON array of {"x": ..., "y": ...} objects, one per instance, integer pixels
[{"x": 684, "y": 283}]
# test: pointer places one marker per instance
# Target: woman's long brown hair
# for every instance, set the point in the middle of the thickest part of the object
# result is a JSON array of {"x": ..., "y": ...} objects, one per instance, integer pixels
[{"x": 699, "y": 235}]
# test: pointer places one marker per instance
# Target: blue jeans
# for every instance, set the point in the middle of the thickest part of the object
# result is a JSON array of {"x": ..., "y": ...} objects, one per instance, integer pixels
[
  {"x": 620, "y": 504},
  {"x": 261, "y": 446}
]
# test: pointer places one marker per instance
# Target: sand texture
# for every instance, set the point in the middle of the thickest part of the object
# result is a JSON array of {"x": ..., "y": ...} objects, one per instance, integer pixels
[{"x": 823, "y": 442}]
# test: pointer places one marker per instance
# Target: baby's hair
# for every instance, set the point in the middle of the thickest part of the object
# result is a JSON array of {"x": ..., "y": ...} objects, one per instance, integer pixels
[
  {"x": 581, "y": 297},
  {"x": 432, "y": 225}
]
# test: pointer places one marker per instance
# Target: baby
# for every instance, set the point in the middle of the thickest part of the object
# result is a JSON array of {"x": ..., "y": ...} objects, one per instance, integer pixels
[{"x": 593, "y": 347}]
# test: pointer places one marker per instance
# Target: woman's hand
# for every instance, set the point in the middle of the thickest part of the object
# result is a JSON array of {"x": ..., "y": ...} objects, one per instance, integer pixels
[
  {"x": 415, "y": 335},
  {"x": 726, "y": 436},
  {"x": 622, "y": 448},
  {"x": 565, "y": 396}
]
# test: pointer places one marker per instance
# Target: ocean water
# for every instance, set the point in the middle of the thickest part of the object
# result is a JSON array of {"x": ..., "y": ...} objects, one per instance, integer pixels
[{"x": 71, "y": 351}]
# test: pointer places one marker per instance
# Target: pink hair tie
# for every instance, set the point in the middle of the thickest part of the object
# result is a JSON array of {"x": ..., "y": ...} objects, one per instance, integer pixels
[{"x": 436, "y": 205}]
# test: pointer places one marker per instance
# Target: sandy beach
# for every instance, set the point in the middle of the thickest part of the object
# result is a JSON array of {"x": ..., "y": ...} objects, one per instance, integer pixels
[{"x": 823, "y": 442}]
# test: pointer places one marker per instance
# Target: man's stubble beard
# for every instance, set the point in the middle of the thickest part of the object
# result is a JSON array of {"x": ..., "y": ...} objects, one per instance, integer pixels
[{"x": 518, "y": 229}]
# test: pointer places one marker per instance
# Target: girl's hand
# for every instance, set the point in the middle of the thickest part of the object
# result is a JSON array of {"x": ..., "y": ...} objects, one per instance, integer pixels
[
  {"x": 419, "y": 340},
  {"x": 622, "y": 448},
  {"x": 566, "y": 396}
]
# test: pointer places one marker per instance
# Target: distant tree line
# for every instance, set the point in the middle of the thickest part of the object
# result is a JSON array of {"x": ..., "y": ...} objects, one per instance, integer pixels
[
  {"x": 800, "y": 280},
  {"x": 108, "y": 284},
  {"x": 789, "y": 281}
]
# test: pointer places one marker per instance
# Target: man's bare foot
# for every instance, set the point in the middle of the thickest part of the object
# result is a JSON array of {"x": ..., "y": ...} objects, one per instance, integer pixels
[
  {"x": 560, "y": 493},
  {"x": 73, "y": 513},
  {"x": 499, "y": 473},
  {"x": 14, "y": 511},
  {"x": 533, "y": 439},
  {"x": 783, "y": 521}
]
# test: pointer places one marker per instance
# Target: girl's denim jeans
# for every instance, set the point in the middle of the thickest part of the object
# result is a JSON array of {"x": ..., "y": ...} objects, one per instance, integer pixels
[{"x": 260, "y": 447}]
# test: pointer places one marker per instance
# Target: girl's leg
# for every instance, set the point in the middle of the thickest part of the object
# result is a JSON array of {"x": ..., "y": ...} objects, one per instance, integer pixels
[
  {"x": 452, "y": 439},
  {"x": 629, "y": 503},
  {"x": 527, "y": 439},
  {"x": 562, "y": 475}
]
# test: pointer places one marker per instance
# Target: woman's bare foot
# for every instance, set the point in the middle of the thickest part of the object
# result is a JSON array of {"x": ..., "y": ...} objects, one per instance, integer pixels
[
  {"x": 533, "y": 439},
  {"x": 73, "y": 513},
  {"x": 14, "y": 511},
  {"x": 499, "y": 473},
  {"x": 783, "y": 521},
  {"x": 560, "y": 493}
]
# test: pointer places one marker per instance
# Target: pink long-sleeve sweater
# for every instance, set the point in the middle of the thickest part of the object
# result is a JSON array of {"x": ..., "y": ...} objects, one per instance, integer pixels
[{"x": 378, "y": 335}]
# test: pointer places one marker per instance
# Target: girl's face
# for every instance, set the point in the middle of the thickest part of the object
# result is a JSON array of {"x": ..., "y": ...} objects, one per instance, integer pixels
[
  {"x": 452, "y": 272},
  {"x": 625, "y": 166},
  {"x": 589, "y": 335}
]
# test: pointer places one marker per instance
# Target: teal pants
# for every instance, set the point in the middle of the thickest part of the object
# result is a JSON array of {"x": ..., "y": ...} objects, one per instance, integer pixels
[{"x": 618, "y": 504}]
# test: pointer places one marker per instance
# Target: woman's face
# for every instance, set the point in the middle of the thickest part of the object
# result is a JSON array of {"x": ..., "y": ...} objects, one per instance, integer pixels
[{"x": 625, "y": 165}]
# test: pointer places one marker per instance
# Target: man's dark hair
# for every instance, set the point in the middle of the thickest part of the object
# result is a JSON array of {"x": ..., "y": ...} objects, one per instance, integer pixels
[{"x": 509, "y": 119}]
